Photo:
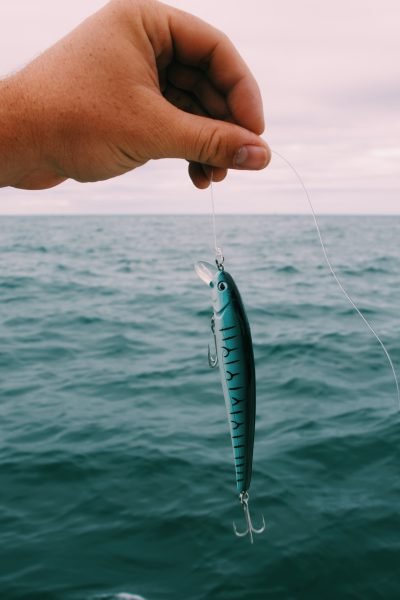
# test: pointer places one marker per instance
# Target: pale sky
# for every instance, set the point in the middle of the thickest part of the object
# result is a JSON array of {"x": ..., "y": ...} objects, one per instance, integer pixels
[{"x": 329, "y": 73}]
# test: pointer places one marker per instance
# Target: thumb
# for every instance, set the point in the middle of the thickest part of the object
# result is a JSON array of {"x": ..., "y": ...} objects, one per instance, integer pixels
[{"x": 216, "y": 143}]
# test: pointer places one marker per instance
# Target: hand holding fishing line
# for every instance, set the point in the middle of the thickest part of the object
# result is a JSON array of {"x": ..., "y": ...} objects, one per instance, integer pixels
[{"x": 138, "y": 80}]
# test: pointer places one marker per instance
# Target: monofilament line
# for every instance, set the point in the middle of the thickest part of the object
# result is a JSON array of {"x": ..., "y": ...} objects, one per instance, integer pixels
[
  {"x": 218, "y": 251},
  {"x": 328, "y": 262}
]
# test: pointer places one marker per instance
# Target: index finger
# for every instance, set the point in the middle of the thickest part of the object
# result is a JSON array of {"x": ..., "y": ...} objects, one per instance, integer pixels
[{"x": 197, "y": 43}]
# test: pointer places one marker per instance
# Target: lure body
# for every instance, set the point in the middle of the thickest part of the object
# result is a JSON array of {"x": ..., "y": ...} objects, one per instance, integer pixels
[{"x": 234, "y": 354}]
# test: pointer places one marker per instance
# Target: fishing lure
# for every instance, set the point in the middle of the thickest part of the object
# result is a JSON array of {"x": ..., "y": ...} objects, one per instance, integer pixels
[{"x": 234, "y": 355}]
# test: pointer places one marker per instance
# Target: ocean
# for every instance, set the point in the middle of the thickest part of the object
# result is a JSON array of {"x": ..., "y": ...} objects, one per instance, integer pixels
[{"x": 116, "y": 470}]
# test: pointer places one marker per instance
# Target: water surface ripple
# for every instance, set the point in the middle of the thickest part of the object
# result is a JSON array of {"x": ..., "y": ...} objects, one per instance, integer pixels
[{"x": 116, "y": 474}]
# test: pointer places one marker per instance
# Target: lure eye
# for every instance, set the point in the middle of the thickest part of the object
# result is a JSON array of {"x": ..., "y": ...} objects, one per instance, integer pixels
[{"x": 222, "y": 286}]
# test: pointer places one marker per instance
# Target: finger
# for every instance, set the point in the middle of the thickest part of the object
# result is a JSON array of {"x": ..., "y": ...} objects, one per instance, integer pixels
[
  {"x": 194, "y": 81},
  {"x": 183, "y": 101},
  {"x": 214, "y": 174},
  {"x": 197, "y": 175},
  {"x": 209, "y": 141},
  {"x": 198, "y": 44}
]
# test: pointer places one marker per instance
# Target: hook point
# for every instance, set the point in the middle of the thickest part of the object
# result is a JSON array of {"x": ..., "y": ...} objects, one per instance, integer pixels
[{"x": 244, "y": 500}]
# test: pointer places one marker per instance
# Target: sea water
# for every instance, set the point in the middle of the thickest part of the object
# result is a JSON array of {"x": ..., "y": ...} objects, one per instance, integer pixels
[{"x": 116, "y": 471}]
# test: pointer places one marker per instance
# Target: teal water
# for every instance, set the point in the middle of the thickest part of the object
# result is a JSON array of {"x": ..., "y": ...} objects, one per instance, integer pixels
[{"x": 116, "y": 472}]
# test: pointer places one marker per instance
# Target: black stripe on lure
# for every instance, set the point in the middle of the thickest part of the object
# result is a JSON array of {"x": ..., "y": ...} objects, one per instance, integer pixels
[{"x": 235, "y": 357}]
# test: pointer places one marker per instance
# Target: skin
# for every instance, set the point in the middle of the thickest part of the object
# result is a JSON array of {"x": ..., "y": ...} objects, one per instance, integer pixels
[{"x": 138, "y": 80}]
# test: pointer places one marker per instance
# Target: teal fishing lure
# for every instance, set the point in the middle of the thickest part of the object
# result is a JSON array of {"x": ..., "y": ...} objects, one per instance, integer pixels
[{"x": 234, "y": 354}]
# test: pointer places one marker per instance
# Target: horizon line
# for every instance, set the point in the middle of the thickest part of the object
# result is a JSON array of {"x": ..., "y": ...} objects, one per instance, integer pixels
[{"x": 183, "y": 214}]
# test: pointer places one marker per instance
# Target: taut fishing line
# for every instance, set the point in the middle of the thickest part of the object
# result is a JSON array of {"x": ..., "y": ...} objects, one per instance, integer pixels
[
  {"x": 218, "y": 252},
  {"x": 219, "y": 257}
]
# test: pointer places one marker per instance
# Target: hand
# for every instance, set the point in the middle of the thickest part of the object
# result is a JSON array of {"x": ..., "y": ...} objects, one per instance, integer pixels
[{"x": 138, "y": 80}]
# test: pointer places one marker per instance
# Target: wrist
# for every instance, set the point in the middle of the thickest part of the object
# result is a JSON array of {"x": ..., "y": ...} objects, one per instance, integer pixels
[
  {"x": 15, "y": 138},
  {"x": 22, "y": 163}
]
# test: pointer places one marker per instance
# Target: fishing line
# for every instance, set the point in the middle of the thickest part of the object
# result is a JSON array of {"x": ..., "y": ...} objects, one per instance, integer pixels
[
  {"x": 220, "y": 259},
  {"x": 328, "y": 262}
]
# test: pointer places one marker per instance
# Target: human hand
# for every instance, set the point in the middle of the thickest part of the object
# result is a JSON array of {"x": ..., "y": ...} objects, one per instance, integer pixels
[{"x": 138, "y": 80}]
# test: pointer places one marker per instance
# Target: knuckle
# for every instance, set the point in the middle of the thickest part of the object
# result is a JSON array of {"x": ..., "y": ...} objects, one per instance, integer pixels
[{"x": 211, "y": 146}]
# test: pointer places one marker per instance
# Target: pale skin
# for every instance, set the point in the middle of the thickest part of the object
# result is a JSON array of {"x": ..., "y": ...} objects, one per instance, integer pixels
[{"x": 137, "y": 81}]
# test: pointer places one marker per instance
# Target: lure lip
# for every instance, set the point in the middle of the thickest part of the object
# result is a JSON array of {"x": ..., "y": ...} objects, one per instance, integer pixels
[{"x": 205, "y": 271}]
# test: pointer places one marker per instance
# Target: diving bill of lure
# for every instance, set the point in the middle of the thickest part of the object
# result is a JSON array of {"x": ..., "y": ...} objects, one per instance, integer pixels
[{"x": 234, "y": 355}]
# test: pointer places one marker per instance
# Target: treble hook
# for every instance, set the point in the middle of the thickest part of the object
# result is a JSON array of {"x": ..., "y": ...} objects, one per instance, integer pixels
[
  {"x": 213, "y": 359},
  {"x": 244, "y": 500}
]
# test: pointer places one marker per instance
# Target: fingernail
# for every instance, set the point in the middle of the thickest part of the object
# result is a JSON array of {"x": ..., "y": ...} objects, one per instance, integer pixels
[{"x": 251, "y": 157}]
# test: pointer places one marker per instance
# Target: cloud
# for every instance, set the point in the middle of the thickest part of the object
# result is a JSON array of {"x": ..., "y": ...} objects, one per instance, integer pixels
[{"x": 330, "y": 80}]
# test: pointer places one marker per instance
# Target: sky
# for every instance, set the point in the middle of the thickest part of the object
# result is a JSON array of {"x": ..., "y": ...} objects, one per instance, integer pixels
[{"x": 329, "y": 74}]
